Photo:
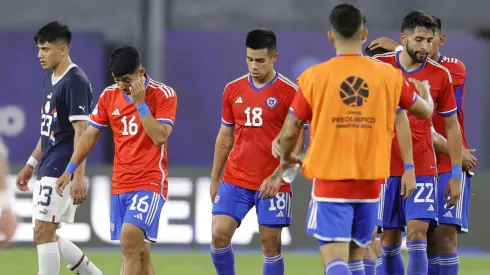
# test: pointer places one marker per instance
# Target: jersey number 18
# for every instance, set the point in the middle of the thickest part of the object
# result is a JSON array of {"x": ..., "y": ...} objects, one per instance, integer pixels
[{"x": 254, "y": 117}]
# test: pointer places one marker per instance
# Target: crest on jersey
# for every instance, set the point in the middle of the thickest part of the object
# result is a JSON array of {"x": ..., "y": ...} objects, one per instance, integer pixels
[
  {"x": 271, "y": 102},
  {"x": 47, "y": 107}
]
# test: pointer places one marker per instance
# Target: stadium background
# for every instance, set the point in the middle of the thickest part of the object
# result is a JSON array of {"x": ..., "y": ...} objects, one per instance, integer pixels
[{"x": 197, "y": 47}]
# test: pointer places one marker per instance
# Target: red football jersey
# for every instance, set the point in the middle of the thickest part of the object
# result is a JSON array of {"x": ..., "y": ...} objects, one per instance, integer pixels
[
  {"x": 138, "y": 163},
  {"x": 257, "y": 115},
  {"x": 445, "y": 105},
  {"x": 458, "y": 73}
]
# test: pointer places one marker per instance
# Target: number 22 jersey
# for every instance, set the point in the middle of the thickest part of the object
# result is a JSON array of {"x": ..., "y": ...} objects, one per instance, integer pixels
[
  {"x": 258, "y": 115},
  {"x": 138, "y": 163}
]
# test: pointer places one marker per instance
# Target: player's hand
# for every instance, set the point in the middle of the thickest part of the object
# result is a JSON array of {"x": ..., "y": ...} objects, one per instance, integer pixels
[
  {"x": 423, "y": 87},
  {"x": 78, "y": 190},
  {"x": 384, "y": 43},
  {"x": 24, "y": 177},
  {"x": 8, "y": 224},
  {"x": 138, "y": 91},
  {"x": 469, "y": 161},
  {"x": 62, "y": 182},
  {"x": 408, "y": 183},
  {"x": 276, "y": 148},
  {"x": 453, "y": 191},
  {"x": 214, "y": 189},
  {"x": 270, "y": 186}
]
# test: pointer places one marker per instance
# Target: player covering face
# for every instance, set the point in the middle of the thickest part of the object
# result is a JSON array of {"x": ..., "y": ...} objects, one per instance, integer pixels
[
  {"x": 338, "y": 97},
  {"x": 141, "y": 113}
]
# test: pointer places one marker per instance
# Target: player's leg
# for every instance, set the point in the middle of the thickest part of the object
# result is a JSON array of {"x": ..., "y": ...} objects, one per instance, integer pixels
[
  {"x": 451, "y": 221},
  {"x": 49, "y": 208},
  {"x": 432, "y": 254},
  {"x": 420, "y": 213},
  {"x": 273, "y": 214},
  {"x": 146, "y": 265},
  {"x": 363, "y": 223},
  {"x": 393, "y": 222},
  {"x": 331, "y": 224},
  {"x": 230, "y": 206},
  {"x": 75, "y": 259}
]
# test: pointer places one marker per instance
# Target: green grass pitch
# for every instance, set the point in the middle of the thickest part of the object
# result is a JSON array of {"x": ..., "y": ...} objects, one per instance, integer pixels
[{"x": 24, "y": 261}]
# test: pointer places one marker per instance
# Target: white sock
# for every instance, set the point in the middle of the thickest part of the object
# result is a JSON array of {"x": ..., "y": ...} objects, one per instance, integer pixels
[
  {"x": 49, "y": 259},
  {"x": 75, "y": 260}
]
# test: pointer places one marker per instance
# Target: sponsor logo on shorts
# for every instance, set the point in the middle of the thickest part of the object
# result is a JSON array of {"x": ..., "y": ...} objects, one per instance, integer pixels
[{"x": 216, "y": 199}]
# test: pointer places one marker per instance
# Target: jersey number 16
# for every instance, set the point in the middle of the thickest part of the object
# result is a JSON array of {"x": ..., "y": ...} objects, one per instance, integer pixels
[{"x": 129, "y": 127}]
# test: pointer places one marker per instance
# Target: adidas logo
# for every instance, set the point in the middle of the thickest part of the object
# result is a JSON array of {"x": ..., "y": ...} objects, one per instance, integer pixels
[
  {"x": 448, "y": 215},
  {"x": 139, "y": 216},
  {"x": 239, "y": 100},
  {"x": 280, "y": 215},
  {"x": 116, "y": 113},
  {"x": 431, "y": 208}
]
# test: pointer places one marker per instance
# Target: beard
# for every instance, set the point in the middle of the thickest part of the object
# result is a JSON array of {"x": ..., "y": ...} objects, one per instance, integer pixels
[{"x": 415, "y": 58}]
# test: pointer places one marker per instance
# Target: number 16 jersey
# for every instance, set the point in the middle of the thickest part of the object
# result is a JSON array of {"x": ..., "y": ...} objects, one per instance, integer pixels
[
  {"x": 257, "y": 115},
  {"x": 138, "y": 163}
]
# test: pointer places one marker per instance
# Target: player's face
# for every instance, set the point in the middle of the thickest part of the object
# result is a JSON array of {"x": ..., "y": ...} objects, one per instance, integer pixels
[
  {"x": 260, "y": 62},
  {"x": 417, "y": 43},
  {"x": 436, "y": 44},
  {"x": 123, "y": 82},
  {"x": 50, "y": 54}
]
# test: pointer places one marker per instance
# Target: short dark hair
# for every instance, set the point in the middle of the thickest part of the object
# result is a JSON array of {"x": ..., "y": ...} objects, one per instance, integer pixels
[
  {"x": 124, "y": 60},
  {"x": 259, "y": 39},
  {"x": 419, "y": 19},
  {"x": 438, "y": 22},
  {"x": 346, "y": 19},
  {"x": 374, "y": 52},
  {"x": 53, "y": 31}
]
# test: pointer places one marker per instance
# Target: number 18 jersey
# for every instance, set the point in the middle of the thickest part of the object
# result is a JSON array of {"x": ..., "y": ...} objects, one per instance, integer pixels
[
  {"x": 257, "y": 115},
  {"x": 138, "y": 163}
]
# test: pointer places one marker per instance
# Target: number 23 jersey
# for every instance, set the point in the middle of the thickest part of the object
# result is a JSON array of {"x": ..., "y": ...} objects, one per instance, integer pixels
[
  {"x": 257, "y": 115},
  {"x": 138, "y": 163}
]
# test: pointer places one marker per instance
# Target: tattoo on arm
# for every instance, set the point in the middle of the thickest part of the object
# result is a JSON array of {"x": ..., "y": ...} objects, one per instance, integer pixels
[
  {"x": 297, "y": 122},
  {"x": 227, "y": 147},
  {"x": 275, "y": 174}
]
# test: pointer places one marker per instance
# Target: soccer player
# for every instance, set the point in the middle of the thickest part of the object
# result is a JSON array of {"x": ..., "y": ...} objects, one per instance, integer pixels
[
  {"x": 141, "y": 113},
  {"x": 64, "y": 114},
  {"x": 351, "y": 101},
  {"x": 254, "y": 109},
  {"x": 455, "y": 219},
  {"x": 8, "y": 220},
  {"x": 420, "y": 210}
]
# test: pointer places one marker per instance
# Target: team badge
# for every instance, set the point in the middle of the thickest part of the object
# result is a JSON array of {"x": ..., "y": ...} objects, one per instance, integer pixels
[
  {"x": 216, "y": 199},
  {"x": 271, "y": 102},
  {"x": 47, "y": 107}
]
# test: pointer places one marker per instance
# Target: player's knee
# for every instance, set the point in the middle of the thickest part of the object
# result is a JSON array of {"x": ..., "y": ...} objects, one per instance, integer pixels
[
  {"x": 417, "y": 230},
  {"x": 391, "y": 238},
  {"x": 271, "y": 245},
  {"x": 416, "y": 235},
  {"x": 222, "y": 231},
  {"x": 145, "y": 254},
  {"x": 44, "y": 232},
  {"x": 132, "y": 239},
  {"x": 447, "y": 239}
]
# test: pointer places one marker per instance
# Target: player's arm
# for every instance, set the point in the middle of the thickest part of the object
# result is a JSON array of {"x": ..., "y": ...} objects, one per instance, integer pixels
[
  {"x": 404, "y": 138},
  {"x": 440, "y": 142},
  {"x": 222, "y": 148},
  {"x": 454, "y": 139},
  {"x": 85, "y": 144},
  {"x": 422, "y": 105},
  {"x": 158, "y": 132},
  {"x": 27, "y": 172},
  {"x": 300, "y": 112}
]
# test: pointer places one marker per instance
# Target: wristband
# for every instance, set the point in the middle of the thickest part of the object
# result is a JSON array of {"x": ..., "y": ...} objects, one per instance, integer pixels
[
  {"x": 143, "y": 109},
  {"x": 457, "y": 172},
  {"x": 32, "y": 161},
  {"x": 5, "y": 200},
  {"x": 70, "y": 168},
  {"x": 399, "y": 48},
  {"x": 408, "y": 167}
]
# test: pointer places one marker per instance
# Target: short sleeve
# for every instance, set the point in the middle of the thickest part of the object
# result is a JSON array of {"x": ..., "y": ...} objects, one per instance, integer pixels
[
  {"x": 99, "y": 118},
  {"x": 166, "y": 106},
  {"x": 300, "y": 107},
  {"x": 227, "y": 117},
  {"x": 289, "y": 101},
  {"x": 446, "y": 100},
  {"x": 408, "y": 95},
  {"x": 79, "y": 99}
]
